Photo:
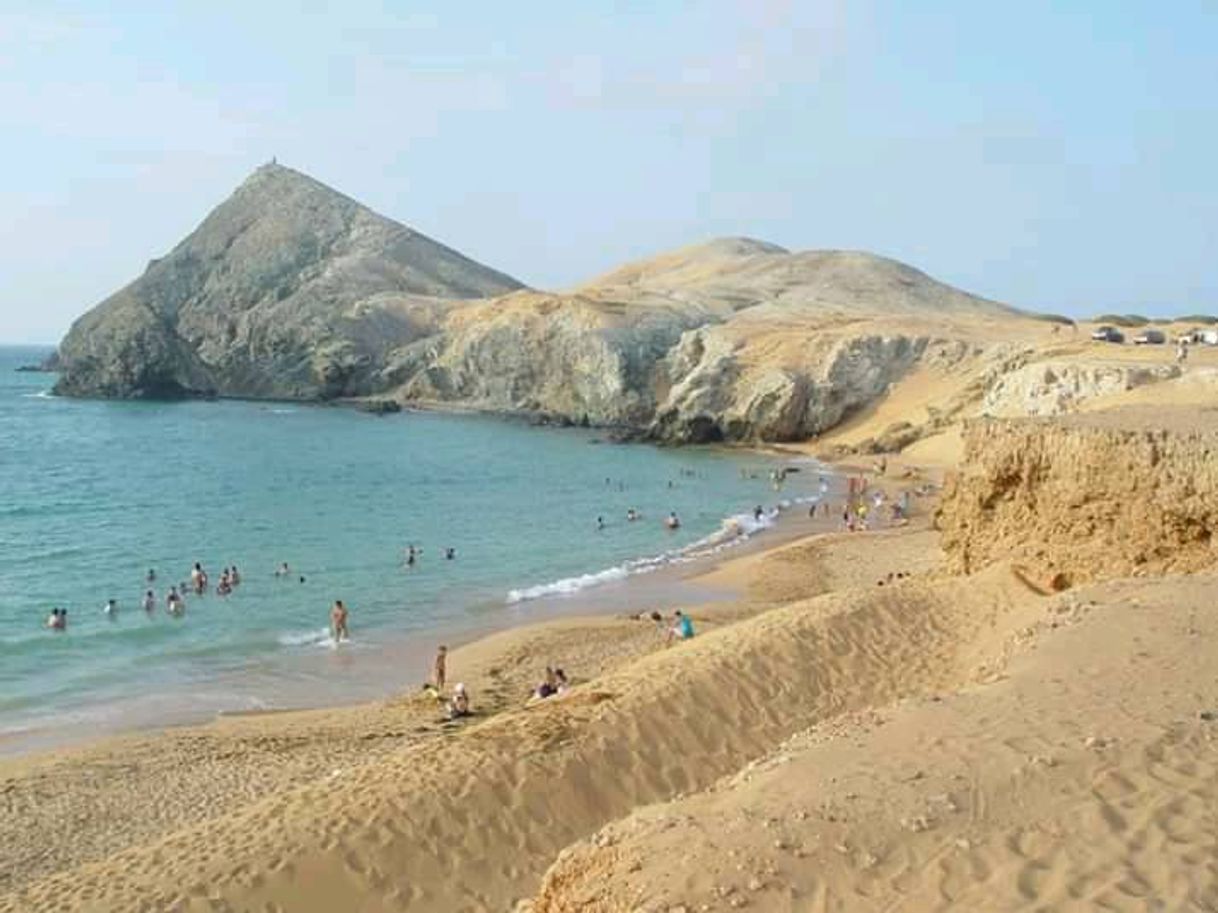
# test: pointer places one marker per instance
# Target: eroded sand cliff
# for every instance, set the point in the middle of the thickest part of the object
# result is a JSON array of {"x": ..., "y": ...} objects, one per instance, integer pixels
[{"x": 1086, "y": 497}]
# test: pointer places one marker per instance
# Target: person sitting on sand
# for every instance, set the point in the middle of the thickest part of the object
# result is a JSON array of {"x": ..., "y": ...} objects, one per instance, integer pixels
[
  {"x": 338, "y": 621},
  {"x": 439, "y": 668},
  {"x": 682, "y": 627},
  {"x": 549, "y": 685},
  {"x": 458, "y": 705},
  {"x": 560, "y": 682}
]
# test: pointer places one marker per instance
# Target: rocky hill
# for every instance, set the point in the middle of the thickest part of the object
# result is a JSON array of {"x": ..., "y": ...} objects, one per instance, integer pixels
[{"x": 289, "y": 289}]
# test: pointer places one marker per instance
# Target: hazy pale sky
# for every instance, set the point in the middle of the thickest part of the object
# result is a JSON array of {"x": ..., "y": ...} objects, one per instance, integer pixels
[{"x": 1053, "y": 155}]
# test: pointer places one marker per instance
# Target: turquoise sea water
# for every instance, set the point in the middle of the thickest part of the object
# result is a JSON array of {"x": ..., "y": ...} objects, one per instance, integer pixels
[{"x": 93, "y": 494}]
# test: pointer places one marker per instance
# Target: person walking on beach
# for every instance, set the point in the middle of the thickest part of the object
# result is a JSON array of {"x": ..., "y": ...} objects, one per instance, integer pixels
[
  {"x": 439, "y": 669},
  {"x": 338, "y": 622}
]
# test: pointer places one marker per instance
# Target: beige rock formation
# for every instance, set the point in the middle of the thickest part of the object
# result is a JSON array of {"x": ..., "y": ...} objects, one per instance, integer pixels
[{"x": 1086, "y": 497}]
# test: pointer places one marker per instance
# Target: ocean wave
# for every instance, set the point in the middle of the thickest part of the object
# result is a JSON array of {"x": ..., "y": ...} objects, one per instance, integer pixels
[
  {"x": 732, "y": 531},
  {"x": 316, "y": 637}
]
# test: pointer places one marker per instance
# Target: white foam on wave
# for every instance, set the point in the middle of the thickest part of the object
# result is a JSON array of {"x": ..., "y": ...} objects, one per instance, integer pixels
[
  {"x": 732, "y": 531},
  {"x": 317, "y": 637},
  {"x": 41, "y": 394}
]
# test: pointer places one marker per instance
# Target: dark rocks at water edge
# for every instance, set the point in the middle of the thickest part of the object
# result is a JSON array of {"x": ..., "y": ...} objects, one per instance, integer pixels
[
  {"x": 378, "y": 406},
  {"x": 290, "y": 290}
]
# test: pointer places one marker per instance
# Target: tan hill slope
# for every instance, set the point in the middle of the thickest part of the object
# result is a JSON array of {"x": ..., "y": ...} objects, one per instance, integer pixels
[
  {"x": 287, "y": 288},
  {"x": 290, "y": 289}
]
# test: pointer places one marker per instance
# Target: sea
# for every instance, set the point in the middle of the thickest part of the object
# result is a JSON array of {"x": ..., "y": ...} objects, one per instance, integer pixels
[{"x": 95, "y": 494}]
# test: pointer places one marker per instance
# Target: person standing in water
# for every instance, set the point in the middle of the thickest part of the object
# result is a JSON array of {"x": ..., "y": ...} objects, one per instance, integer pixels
[
  {"x": 173, "y": 602},
  {"x": 338, "y": 622},
  {"x": 673, "y": 522},
  {"x": 150, "y": 602},
  {"x": 110, "y": 609},
  {"x": 151, "y": 577}
]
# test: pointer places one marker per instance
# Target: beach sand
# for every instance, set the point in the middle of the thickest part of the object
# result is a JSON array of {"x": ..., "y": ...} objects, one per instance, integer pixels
[{"x": 856, "y": 730}]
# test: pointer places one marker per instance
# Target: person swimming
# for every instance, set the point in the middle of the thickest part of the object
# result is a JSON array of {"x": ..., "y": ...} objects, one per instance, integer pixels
[
  {"x": 283, "y": 570},
  {"x": 600, "y": 523},
  {"x": 632, "y": 515},
  {"x": 150, "y": 577},
  {"x": 450, "y": 554}
]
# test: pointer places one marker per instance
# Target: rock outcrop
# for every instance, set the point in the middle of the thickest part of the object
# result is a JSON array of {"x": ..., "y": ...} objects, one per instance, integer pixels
[
  {"x": 1054, "y": 388},
  {"x": 289, "y": 289},
  {"x": 1086, "y": 497}
]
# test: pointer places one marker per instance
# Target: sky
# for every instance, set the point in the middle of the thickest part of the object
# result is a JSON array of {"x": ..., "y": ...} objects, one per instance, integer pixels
[{"x": 1058, "y": 156}]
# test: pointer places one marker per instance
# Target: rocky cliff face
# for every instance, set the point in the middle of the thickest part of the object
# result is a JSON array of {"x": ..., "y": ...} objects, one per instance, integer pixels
[
  {"x": 1085, "y": 497},
  {"x": 288, "y": 288},
  {"x": 1054, "y": 388}
]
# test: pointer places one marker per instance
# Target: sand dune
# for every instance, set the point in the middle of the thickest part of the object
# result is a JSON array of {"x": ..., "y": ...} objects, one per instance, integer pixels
[
  {"x": 1083, "y": 777},
  {"x": 471, "y": 821}
]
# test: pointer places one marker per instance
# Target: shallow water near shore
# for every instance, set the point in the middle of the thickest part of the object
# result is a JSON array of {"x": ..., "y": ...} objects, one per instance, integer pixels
[{"x": 97, "y": 493}]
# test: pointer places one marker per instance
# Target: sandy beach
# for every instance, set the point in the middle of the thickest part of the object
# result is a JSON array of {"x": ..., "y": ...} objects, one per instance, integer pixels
[{"x": 859, "y": 726}]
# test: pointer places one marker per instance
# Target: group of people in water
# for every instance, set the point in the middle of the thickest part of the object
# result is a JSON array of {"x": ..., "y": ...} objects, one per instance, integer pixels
[
  {"x": 672, "y": 521},
  {"x": 175, "y": 600},
  {"x": 411, "y": 555}
]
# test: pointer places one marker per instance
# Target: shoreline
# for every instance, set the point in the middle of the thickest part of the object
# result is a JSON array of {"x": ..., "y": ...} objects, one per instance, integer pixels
[
  {"x": 189, "y": 775},
  {"x": 672, "y": 582}
]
